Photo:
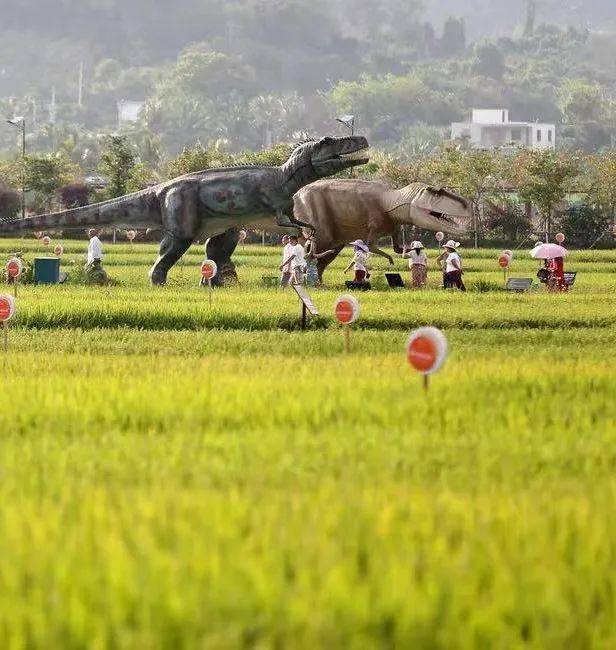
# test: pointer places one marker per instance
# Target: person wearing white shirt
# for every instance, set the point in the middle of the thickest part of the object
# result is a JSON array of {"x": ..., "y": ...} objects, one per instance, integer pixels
[
  {"x": 285, "y": 278},
  {"x": 418, "y": 265},
  {"x": 453, "y": 266},
  {"x": 296, "y": 261},
  {"x": 95, "y": 247},
  {"x": 359, "y": 261}
]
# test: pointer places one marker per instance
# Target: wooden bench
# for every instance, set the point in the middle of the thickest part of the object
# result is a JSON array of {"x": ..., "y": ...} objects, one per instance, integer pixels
[{"x": 519, "y": 285}]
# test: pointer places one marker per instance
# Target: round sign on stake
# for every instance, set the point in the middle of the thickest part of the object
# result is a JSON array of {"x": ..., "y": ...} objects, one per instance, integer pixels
[
  {"x": 209, "y": 269},
  {"x": 346, "y": 310},
  {"x": 7, "y": 307},
  {"x": 130, "y": 235},
  {"x": 14, "y": 268},
  {"x": 504, "y": 260},
  {"x": 440, "y": 236},
  {"x": 58, "y": 250},
  {"x": 560, "y": 238},
  {"x": 426, "y": 351},
  {"x": 46, "y": 241},
  {"x": 243, "y": 235}
]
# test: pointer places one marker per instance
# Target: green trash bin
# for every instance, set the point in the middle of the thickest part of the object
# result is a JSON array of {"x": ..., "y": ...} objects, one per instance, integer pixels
[{"x": 46, "y": 270}]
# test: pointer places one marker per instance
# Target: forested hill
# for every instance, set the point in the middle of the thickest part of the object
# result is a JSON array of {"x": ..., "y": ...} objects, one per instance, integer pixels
[{"x": 489, "y": 18}]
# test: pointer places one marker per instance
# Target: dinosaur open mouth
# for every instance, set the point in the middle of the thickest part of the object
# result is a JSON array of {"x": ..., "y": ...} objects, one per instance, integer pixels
[
  {"x": 361, "y": 155},
  {"x": 450, "y": 220}
]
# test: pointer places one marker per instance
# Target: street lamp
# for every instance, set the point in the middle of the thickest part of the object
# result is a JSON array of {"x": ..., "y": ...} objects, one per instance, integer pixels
[
  {"x": 20, "y": 122},
  {"x": 348, "y": 121}
]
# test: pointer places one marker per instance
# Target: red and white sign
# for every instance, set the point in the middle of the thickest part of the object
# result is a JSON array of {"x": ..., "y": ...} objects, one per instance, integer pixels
[
  {"x": 58, "y": 250},
  {"x": 7, "y": 307},
  {"x": 346, "y": 310},
  {"x": 440, "y": 236},
  {"x": 504, "y": 260},
  {"x": 46, "y": 241},
  {"x": 14, "y": 267},
  {"x": 130, "y": 235},
  {"x": 426, "y": 350},
  {"x": 209, "y": 270},
  {"x": 38, "y": 234},
  {"x": 560, "y": 238}
]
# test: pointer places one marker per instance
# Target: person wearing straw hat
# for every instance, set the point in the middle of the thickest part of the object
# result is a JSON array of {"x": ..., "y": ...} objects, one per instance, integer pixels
[
  {"x": 418, "y": 264},
  {"x": 359, "y": 261},
  {"x": 453, "y": 266}
]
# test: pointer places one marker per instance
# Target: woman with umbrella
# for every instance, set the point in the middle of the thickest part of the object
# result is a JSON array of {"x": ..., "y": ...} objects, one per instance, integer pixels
[{"x": 554, "y": 255}]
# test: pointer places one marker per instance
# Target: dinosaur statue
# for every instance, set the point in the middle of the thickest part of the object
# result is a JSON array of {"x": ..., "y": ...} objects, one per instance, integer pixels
[
  {"x": 210, "y": 204},
  {"x": 340, "y": 211}
]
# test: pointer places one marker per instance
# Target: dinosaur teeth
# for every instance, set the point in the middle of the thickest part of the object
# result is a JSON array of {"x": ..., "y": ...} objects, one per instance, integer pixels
[{"x": 361, "y": 154}]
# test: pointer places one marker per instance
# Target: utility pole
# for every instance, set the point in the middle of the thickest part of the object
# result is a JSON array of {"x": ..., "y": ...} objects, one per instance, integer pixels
[
  {"x": 80, "y": 91},
  {"x": 20, "y": 123}
]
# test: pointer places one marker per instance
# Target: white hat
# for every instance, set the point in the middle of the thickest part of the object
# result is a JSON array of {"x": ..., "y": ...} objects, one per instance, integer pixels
[
  {"x": 358, "y": 243},
  {"x": 451, "y": 244},
  {"x": 416, "y": 244}
]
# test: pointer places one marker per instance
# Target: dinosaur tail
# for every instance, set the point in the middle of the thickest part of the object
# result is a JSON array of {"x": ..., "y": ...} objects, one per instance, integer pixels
[{"x": 116, "y": 212}]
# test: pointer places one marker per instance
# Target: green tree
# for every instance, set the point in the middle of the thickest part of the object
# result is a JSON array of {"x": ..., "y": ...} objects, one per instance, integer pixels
[
  {"x": 45, "y": 175},
  {"x": 121, "y": 168},
  {"x": 453, "y": 40},
  {"x": 544, "y": 178},
  {"x": 488, "y": 61},
  {"x": 580, "y": 101}
]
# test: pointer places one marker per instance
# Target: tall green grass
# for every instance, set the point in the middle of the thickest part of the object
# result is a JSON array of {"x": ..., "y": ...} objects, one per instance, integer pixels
[{"x": 175, "y": 476}]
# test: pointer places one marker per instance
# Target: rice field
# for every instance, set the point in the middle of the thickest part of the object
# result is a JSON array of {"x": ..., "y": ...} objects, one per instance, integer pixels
[{"x": 175, "y": 475}]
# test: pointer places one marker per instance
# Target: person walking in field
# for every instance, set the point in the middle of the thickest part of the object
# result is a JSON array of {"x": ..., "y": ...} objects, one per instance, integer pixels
[
  {"x": 94, "y": 265},
  {"x": 359, "y": 263},
  {"x": 285, "y": 277},
  {"x": 453, "y": 266},
  {"x": 311, "y": 255},
  {"x": 556, "y": 275},
  {"x": 418, "y": 265},
  {"x": 296, "y": 260}
]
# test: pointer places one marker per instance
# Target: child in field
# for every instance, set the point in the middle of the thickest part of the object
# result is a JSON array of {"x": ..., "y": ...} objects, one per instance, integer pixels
[
  {"x": 285, "y": 277},
  {"x": 556, "y": 275},
  {"x": 453, "y": 266},
  {"x": 312, "y": 257},
  {"x": 418, "y": 265},
  {"x": 296, "y": 261},
  {"x": 359, "y": 261}
]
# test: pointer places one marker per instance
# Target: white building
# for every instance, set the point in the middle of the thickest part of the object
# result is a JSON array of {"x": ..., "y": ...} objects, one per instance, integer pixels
[
  {"x": 491, "y": 128},
  {"x": 129, "y": 112}
]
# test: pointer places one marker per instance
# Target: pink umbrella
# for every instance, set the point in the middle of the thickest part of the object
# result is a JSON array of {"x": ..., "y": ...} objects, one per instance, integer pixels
[{"x": 548, "y": 252}]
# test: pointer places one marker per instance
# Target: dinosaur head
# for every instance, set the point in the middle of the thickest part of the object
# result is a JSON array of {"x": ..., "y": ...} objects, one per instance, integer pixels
[
  {"x": 328, "y": 156},
  {"x": 431, "y": 208}
]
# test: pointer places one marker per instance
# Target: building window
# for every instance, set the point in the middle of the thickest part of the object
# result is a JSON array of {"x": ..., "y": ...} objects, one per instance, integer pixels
[
  {"x": 550, "y": 138},
  {"x": 504, "y": 117},
  {"x": 538, "y": 135}
]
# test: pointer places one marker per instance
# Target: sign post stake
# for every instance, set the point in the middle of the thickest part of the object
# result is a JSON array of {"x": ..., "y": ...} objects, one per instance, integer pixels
[
  {"x": 5, "y": 335},
  {"x": 347, "y": 311},
  {"x": 14, "y": 269},
  {"x": 304, "y": 316},
  {"x": 209, "y": 270}
]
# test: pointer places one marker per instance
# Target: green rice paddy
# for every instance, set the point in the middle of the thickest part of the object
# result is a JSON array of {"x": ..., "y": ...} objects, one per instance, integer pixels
[{"x": 175, "y": 475}]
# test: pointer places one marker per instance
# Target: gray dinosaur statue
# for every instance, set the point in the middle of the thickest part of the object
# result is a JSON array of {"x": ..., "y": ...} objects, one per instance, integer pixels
[
  {"x": 212, "y": 204},
  {"x": 340, "y": 211}
]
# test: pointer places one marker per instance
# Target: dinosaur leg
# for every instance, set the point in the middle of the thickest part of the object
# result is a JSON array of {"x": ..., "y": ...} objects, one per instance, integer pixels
[
  {"x": 171, "y": 250},
  {"x": 325, "y": 261},
  {"x": 180, "y": 220},
  {"x": 219, "y": 249}
]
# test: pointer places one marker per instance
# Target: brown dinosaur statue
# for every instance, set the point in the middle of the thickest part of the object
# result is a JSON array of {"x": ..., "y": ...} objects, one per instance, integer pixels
[{"x": 341, "y": 211}]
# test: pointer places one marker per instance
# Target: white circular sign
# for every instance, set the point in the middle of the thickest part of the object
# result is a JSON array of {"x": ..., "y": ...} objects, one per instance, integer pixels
[
  {"x": 46, "y": 241},
  {"x": 426, "y": 350},
  {"x": 440, "y": 236},
  {"x": 209, "y": 269},
  {"x": 130, "y": 235},
  {"x": 14, "y": 267},
  {"x": 7, "y": 307},
  {"x": 347, "y": 309}
]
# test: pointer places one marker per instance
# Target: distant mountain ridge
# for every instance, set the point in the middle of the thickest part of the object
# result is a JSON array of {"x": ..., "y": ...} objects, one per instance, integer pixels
[{"x": 486, "y": 18}]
